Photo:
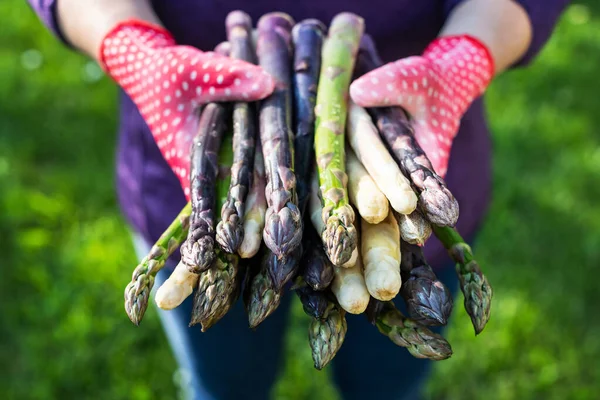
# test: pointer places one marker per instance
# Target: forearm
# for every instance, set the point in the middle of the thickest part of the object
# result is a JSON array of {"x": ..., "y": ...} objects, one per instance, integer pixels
[
  {"x": 86, "y": 22},
  {"x": 502, "y": 25}
]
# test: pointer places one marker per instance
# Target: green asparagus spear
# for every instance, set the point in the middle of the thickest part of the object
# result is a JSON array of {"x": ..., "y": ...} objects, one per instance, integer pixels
[
  {"x": 338, "y": 59},
  {"x": 283, "y": 224},
  {"x": 138, "y": 290},
  {"x": 404, "y": 332},
  {"x": 474, "y": 285},
  {"x": 326, "y": 335},
  {"x": 230, "y": 230}
]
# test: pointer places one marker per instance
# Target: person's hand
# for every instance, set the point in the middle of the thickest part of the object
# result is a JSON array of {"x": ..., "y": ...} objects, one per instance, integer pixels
[
  {"x": 436, "y": 89},
  {"x": 168, "y": 82}
]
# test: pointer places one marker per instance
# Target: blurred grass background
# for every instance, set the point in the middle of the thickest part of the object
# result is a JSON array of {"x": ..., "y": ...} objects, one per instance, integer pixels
[{"x": 67, "y": 255}]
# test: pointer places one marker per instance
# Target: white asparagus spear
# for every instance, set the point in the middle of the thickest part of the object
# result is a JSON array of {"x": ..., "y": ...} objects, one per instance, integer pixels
[
  {"x": 380, "y": 249},
  {"x": 315, "y": 209},
  {"x": 371, "y": 203},
  {"x": 364, "y": 139},
  {"x": 414, "y": 228},
  {"x": 256, "y": 206},
  {"x": 350, "y": 289},
  {"x": 176, "y": 288}
]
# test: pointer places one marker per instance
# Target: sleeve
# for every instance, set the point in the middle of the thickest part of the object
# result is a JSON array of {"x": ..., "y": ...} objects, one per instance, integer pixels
[
  {"x": 46, "y": 11},
  {"x": 543, "y": 16}
]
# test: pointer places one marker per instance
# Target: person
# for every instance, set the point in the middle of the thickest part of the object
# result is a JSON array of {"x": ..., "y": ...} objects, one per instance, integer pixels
[{"x": 158, "y": 52}]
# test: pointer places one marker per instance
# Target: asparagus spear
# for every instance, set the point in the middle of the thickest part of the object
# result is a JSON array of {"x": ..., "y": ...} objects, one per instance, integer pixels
[
  {"x": 197, "y": 252},
  {"x": 364, "y": 139},
  {"x": 219, "y": 286},
  {"x": 282, "y": 269},
  {"x": 318, "y": 271},
  {"x": 338, "y": 58},
  {"x": 142, "y": 280},
  {"x": 316, "y": 211},
  {"x": 474, "y": 285},
  {"x": 326, "y": 335},
  {"x": 435, "y": 200},
  {"x": 404, "y": 332},
  {"x": 283, "y": 224},
  {"x": 414, "y": 228},
  {"x": 230, "y": 230},
  {"x": 256, "y": 205},
  {"x": 380, "y": 249},
  {"x": 371, "y": 203},
  {"x": 350, "y": 289},
  {"x": 307, "y": 37},
  {"x": 314, "y": 303},
  {"x": 427, "y": 299},
  {"x": 261, "y": 297}
]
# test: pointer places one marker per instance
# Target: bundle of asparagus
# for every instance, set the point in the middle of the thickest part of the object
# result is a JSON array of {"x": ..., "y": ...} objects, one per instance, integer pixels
[{"x": 342, "y": 227}]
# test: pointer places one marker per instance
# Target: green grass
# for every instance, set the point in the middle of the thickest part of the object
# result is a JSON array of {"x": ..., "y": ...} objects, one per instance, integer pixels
[{"x": 67, "y": 254}]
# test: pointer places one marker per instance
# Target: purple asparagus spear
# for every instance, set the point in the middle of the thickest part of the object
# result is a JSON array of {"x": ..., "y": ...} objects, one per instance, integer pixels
[
  {"x": 435, "y": 200},
  {"x": 308, "y": 40},
  {"x": 230, "y": 230},
  {"x": 283, "y": 224}
]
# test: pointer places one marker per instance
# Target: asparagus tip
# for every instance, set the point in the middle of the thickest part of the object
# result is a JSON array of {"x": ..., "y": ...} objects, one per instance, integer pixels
[
  {"x": 230, "y": 233},
  {"x": 137, "y": 293},
  {"x": 439, "y": 205},
  {"x": 340, "y": 240},
  {"x": 283, "y": 230},
  {"x": 198, "y": 255}
]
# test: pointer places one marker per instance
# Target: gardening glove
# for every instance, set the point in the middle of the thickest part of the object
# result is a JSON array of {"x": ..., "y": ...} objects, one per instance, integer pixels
[
  {"x": 436, "y": 89},
  {"x": 168, "y": 82}
]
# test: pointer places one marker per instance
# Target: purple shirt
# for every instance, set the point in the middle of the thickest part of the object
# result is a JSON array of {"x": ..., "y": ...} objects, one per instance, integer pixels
[{"x": 150, "y": 194}]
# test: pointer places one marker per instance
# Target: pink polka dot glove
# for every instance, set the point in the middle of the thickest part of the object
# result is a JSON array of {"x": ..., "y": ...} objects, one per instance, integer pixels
[
  {"x": 168, "y": 82},
  {"x": 436, "y": 89}
]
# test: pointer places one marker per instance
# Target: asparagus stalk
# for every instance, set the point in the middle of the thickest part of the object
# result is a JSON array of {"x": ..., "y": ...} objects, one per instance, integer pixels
[
  {"x": 307, "y": 37},
  {"x": 370, "y": 202},
  {"x": 414, "y": 228},
  {"x": 197, "y": 252},
  {"x": 380, "y": 249},
  {"x": 338, "y": 59},
  {"x": 230, "y": 230},
  {"x": 219, "y": 286},
  {"x": 435, "y": 200},
  {"x": 138, "y": 290},
  {"x": 283, "y": 224},
  {"x": 404, "y": 332},
  {"x": 326, "y": 335},
  {"x": 261, "y": 297},
  {"x": 364, "y": 139},
  {"x": 427, "y": 299},
  {"x": 318, "y": 271},
  {"x": 316, "y": 211},
  {"x": 315, "y": 303},
  {"x": 474, "y": 285},
  {"x": 256, "y": 206}
]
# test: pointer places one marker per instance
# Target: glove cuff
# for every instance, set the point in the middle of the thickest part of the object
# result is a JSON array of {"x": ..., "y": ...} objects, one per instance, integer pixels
[{"x": 130, "y": 36}]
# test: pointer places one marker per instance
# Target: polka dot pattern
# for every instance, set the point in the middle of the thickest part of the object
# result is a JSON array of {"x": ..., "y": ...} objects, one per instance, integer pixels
[
  {"x": 168, "y": 82},
  {"x": 436, "y": 89}
]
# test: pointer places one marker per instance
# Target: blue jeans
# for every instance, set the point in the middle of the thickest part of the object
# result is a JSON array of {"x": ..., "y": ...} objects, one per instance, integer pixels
[{"x": 230, "y": 361}]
